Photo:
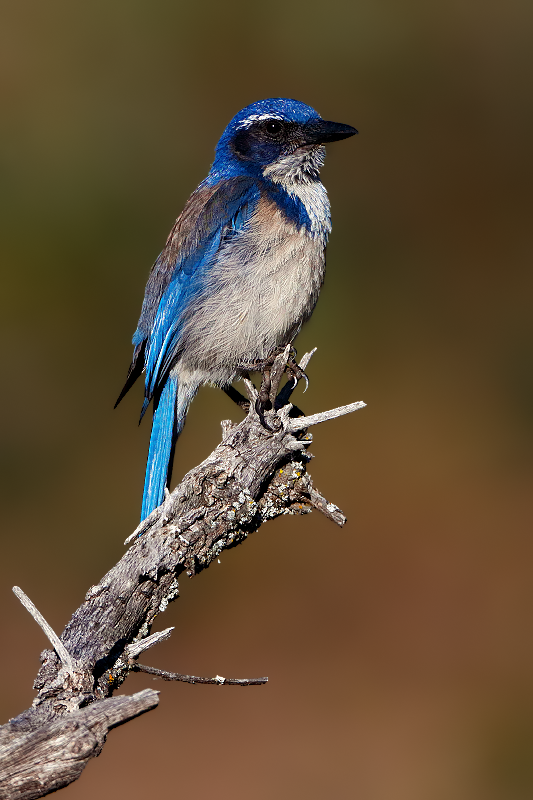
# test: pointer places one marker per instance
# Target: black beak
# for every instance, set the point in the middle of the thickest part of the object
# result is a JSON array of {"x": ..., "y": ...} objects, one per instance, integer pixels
[{"x": 319, "y": 131}]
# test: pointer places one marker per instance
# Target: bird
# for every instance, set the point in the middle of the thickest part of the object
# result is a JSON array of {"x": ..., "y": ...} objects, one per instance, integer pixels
[{"x": 240, "y": 272}]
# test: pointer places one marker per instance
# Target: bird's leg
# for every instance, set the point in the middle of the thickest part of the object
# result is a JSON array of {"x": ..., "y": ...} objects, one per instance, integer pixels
[
  {"x": 262, "y": 363},
  {"x": 263, "y": 398},
  {"x": 287, "y": 364},
  {"x": 260, "y": 404},
  {"x": 297, "y": 372},
  {"x": 263, "y": 403},
  {"x": 280, "y": 361},
  {"x": 272, "y": 369},
  {"x": 278, "y": 369}
]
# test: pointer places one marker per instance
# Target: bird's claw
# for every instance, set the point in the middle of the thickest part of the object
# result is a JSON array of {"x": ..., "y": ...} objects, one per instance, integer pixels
[
  {"x": 292, "y": 368},
  {"x": 295, "y": 371},
  {"x": 260, "y": 408},
  {"x": 263, "y": 402},
  {"x": 271, "y": 374}
]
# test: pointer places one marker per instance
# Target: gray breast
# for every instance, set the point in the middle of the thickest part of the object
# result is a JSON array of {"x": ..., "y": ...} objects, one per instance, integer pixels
[{"x": 262, "y": 287}]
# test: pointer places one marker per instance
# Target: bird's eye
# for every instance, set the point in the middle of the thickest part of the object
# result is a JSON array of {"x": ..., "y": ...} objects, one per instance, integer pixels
[{"x": 274, "y": 128}]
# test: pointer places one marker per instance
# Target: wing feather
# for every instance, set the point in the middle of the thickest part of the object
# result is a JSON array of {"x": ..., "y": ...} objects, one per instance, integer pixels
[{"x": 212, "y": 215}]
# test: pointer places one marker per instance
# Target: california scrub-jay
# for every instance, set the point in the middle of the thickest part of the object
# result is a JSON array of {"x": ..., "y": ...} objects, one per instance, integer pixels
[{"x": 240, "y": 272}]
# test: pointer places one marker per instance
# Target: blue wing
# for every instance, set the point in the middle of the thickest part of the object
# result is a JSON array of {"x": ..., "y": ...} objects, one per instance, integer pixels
[{"x": 212, "y": 214}]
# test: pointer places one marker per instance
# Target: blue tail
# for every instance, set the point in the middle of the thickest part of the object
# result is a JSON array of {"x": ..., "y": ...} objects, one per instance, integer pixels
[{"x": 169, "y": 418}]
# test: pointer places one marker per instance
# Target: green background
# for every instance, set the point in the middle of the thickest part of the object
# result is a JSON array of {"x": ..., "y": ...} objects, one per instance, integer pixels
[{"x": 399, "y": 649}]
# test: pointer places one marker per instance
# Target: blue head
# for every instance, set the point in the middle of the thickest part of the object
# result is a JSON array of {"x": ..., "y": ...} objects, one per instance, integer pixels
[{"x": 275, "y": 134}]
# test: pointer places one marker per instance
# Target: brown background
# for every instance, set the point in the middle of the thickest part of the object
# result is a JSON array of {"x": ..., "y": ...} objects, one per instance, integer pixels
[{"x": 402, "y": 668}]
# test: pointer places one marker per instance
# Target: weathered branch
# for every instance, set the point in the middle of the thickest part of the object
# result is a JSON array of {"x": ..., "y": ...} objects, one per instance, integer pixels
[
  {"x": 37, "y": 761},
  {"x": 177, "y": 676},
  {"x": 254, "y": 475}
]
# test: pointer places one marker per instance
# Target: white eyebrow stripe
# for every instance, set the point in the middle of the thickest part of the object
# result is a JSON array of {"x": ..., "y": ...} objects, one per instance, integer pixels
[{"x": 257, "y": 118}]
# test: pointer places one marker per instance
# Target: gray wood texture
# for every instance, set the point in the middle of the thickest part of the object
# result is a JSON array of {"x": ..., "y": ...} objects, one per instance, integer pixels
[{"x": 255, "y": 474}]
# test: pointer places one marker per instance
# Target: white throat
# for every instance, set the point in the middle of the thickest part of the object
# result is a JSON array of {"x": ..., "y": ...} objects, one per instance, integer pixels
[{"x": 298, "y": 174}]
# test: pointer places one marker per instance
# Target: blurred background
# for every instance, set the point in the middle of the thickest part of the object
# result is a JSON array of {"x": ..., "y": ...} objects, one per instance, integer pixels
[{"x": 402, "y": 668}]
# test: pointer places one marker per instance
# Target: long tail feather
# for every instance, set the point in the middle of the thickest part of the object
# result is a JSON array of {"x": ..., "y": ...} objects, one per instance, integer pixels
[{"x": 168, "y": 422}]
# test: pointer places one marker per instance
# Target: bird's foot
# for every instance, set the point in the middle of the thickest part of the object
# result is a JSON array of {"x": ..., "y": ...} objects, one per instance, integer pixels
[
  {"x": 260, "y": 408},
  {"x": 295, "y": 371},
  {"x": 262, "y": 364},
  {"x": 260, "y": 400},
  {"x": 291, "y": 367},
  {"x": 263, "y": 402},
  {"x": 281, "y": 361}
]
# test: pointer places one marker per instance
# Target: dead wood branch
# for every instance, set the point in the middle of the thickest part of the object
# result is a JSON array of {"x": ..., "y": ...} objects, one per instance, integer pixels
[
  {"x": 39, "y": 760},
  {"x": 177, "y": 676},
  {"x": 254, "y": 475}
]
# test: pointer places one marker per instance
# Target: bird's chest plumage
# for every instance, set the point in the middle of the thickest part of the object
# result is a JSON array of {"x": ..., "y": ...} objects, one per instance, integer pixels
[{"x": 262, "y": 286}]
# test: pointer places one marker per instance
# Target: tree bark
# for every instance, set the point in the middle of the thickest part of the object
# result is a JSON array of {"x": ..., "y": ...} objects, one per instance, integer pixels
[{"x": 255, "y": 474}]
